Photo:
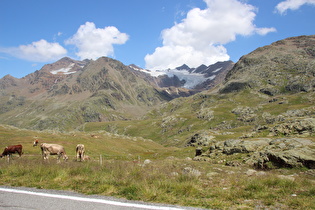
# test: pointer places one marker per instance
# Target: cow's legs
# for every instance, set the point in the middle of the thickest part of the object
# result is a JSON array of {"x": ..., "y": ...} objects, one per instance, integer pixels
[
  {"x": 46, "y": 155},
  {"x": 58, "y": 157},
  {"x": 82, "y": 156},
  {"x": 64, "y": 156},
  {"x": 9, "y": 157}
]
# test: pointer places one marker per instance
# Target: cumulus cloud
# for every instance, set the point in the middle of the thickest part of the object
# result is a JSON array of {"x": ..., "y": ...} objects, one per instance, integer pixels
[
  {"x": 199, "y": 38},
  {"x": 93, "y": 42},
  {"x": 40, "y": 51},
  {"x": 283, "y": 6}
]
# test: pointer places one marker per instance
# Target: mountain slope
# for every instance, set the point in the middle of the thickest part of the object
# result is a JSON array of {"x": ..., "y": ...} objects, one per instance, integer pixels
[
  {"x": 284, "y": 66},
  {"x": 68, "y": 93}
]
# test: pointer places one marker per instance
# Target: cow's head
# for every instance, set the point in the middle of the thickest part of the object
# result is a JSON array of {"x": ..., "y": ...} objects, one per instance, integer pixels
[
  {"x": 5, "y": 152},
  {"x": 65, "y": 157},
  {"x": 35, "y": 143}
]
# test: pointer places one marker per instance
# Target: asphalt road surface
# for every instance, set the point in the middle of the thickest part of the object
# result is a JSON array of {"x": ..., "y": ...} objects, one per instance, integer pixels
[{"x": 28, "y": 198}]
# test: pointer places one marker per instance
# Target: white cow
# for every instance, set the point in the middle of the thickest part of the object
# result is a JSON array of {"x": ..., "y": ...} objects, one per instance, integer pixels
[
  {"x": 80, "y": 152},
  {"x": 52, "y": 149}
]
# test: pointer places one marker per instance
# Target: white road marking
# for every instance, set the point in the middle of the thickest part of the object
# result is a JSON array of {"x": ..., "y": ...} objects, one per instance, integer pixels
[{"x": 94, "y": 200}]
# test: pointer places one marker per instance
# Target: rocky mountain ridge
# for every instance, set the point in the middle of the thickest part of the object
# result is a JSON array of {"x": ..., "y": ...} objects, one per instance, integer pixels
[
  {"x": 100, "y": 90},
  {"x": 84, "y": 91},
  {"x": 287, "y": 67}
]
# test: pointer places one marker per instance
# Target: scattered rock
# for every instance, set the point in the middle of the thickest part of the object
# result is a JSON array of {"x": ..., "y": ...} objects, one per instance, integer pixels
[
  {"x": 146, "y": 162},
  {"x": 191, "y": 172},
  {"x": 261, "y": 173},
  {"x": 211, "y": 174},
  {"x": 304, "y": 127},
  {"x": 201, "y": 139},
  {"x": 245, "y": 114},
  {"x": 250, "y": 172},
  {"x": 291, "y": 178},
  {"x": 174, "y": 174},
  {"x": 232, "y": 163}
]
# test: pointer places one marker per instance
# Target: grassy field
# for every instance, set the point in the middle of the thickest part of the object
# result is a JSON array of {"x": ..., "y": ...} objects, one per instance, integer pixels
[{"x": 169, "y": 177}]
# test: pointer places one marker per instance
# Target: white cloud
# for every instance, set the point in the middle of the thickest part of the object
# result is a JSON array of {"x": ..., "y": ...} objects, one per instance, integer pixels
[
  {"x": 40, "y": 51},
  {"x": 199, "y": 38},
  {"x": 283, "y": 6},
  {"x": 264, "y": 31},
  {"x": 93, "y": 42}
]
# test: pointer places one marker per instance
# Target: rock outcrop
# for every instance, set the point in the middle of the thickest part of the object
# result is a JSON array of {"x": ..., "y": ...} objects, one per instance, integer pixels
[{"x": 267, "y": 153}]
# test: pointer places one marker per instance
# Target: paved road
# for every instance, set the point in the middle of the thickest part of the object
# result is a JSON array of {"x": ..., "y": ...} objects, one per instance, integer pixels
[{"x": 29, "y": 198}]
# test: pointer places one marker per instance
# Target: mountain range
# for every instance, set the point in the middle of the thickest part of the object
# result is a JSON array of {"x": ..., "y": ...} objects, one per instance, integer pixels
[
  {"x": 169, "y": 106},
  {"x": 68, "y": 93}
]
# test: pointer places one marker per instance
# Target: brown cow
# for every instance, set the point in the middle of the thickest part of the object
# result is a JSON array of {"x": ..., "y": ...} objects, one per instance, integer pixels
[
  {"x": 9, "y": 150},
  {"x": 80, "y": 152},
  {"x": 52, "y": 149}
]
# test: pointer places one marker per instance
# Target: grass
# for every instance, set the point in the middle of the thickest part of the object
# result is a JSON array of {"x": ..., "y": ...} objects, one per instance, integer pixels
[
  {"x": 164, "y": 181},
  {"x": 122, "y": 173}
]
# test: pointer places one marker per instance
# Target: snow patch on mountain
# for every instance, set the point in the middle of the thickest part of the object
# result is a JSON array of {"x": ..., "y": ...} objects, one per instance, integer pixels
[
  {"x": 217, "y": 70},
  {"x": 66, "y": 70},
  {"x": 192, "y": 79}
]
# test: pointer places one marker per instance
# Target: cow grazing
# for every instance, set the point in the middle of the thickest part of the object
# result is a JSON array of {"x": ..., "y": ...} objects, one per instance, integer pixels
[
  {"x": 86, "y": 157},
  {"x": 80, "y": 152},
  {"x": 9, "y": 150},
  {"x": 52, "y": 149}
]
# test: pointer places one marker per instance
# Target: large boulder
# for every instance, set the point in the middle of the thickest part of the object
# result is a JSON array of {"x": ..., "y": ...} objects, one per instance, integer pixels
[
  {"x": 201, "y": 139},
  {"x": 240, "y": 146},
  {"x": 290, "y": 158},
  {"x": 294, "y": 152}
]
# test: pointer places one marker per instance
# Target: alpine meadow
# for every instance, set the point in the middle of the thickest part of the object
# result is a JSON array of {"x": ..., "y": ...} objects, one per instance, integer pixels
[{"x": 222, "y": 136}]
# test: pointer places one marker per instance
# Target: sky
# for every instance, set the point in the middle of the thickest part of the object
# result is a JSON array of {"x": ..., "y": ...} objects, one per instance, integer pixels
[{"x": 152, "y": 34}]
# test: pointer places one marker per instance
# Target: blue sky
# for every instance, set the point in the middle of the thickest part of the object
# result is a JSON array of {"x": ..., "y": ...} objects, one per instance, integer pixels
[{"x": 153, "y": 34}]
